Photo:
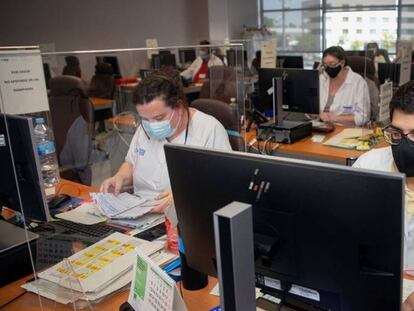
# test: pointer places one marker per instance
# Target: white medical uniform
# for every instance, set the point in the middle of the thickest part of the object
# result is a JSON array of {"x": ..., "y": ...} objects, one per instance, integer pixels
[
  {"x": 381, "y": 159},
  {"x": 150, "y": 173},
  {"x": 191, "y": 71},
  {"x": 351, "y": 98}
]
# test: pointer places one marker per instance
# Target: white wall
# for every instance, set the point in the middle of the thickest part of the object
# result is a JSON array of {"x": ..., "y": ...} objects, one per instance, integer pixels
[
  {"x": 227, "y": 17},
  {"x": 98, "y": 24}
]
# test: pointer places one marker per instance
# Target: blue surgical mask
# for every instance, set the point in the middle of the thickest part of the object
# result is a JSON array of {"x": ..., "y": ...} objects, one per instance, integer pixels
[
  {"x": 204, "y": 55},
  {"x": 160, "y": 130}
]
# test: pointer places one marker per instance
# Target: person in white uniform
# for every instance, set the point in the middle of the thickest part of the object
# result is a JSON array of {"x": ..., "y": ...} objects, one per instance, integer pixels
[
  {"x": 399, "y": 157},
  {"x": 160, "y": 102},
  {"x": 199, "y": 67},
  {"x": 344, "y": 95}
]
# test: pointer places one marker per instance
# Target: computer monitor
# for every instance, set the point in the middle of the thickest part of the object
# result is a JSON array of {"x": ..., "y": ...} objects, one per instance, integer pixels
[
  {"x": 389, "y": 71},
  {"x": 145, "y": 73},
  {"x": 331, "y": 233},
  {"x": 113, "y": 60},
  {"x": 300, "y": 89},
  {"x": 26, "y": 180},
  {"x": 187, "y": 55},
  {"x": 289, "y": 61},
  {"x": 163, "y": 59},
  {"x": 235, "y": 57}
]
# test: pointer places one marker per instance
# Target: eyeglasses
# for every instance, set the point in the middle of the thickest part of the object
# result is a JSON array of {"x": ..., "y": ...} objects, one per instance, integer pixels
[
  {"x": 331, "y": 65},
  {"x": 394, "y": 136}
]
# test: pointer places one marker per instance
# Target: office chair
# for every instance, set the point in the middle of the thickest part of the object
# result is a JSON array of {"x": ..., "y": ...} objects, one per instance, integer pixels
[
  {"x": 222, "y": 84},
  {"x": 102, "y": 84},
  {"x": 364, "y": 66},
  {"x": 72, "y": 67},
  {"x": 227, "y": 115},
  {"x": 73, "y": 126}
]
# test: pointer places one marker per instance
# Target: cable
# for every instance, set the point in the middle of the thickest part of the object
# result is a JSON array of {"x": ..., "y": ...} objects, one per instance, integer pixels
[
  {"x": 264, "y": 151},
  {"x": 282, "y": 302}
]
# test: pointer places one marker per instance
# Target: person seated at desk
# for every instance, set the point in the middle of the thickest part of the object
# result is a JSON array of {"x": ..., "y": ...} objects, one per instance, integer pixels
[
  {"x": 344, "y": 95},
  {"x": 399, "y": 157},
  {"x": 199, "y": 68},
  {"x": 160, "y": 102}
]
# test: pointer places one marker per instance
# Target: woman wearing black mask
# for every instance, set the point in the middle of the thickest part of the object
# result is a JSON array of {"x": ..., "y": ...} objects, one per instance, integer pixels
[
  {"x": 399, "y": 156},
  {"x": 344, "y": 96}
]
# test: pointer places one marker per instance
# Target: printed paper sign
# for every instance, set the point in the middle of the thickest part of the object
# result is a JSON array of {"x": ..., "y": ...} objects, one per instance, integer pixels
[
  {"x": 151, "y": 43},
  {"x": 22, "y": 81},
  {"x": 405, "y": 48},
  {"x": 268, "y": 59}
]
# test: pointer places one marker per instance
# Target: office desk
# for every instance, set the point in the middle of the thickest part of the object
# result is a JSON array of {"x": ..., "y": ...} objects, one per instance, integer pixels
[
  {"x": 101, "y": 103},
  {"x": 195, "y": 300},
  {"x": 309, "y": 149}
]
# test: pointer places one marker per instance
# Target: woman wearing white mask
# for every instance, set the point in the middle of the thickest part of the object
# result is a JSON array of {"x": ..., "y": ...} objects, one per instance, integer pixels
[
  {"x": 198, "y": 70},
  {"x": 344, "y": 96},
  {"x": 160, "y": 102}
]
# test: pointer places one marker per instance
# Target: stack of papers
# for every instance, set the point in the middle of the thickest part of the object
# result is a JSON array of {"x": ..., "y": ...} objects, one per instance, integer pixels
[
  {"x": 353, "y": 138},
  {"x": 122, "y": 206},
  {"x": 94, "y": 272}
]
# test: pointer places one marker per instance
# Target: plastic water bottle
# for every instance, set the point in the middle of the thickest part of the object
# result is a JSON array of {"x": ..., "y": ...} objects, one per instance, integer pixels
[{"x": 47, "y": 156}]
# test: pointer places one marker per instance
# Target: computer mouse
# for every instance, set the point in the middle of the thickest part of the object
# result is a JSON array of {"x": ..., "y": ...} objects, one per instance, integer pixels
[{"x": 58, "y": 200}]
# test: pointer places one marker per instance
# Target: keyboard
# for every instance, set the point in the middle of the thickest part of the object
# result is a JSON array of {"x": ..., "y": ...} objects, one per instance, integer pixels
[{"x": 76, "y": 231}]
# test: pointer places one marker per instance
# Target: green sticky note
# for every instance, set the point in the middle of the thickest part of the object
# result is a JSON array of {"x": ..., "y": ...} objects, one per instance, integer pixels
[{"x": 140, "y": 278}]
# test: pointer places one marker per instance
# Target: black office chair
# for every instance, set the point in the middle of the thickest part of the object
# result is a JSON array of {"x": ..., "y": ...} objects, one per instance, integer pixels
[
  {"x": 222, "y": 84},
  {"x": 227, "y": 115},
  {"x": 102, "y": 84},
  {"x": 73, "y": 126},
  {"x": 72, "y": 67}
]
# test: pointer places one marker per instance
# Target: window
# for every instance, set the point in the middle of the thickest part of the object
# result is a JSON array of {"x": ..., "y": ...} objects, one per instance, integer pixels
[
  {"x": 359, "y": 19},
  {"x": 345, "y": 19},
  {"x": 385, "y": 20},
  {"x": 372, "y": 31},
  {"x": 345, "y": 31},
  {"x": 359, "y": 31},
  {"x": 372, "y": 19}
]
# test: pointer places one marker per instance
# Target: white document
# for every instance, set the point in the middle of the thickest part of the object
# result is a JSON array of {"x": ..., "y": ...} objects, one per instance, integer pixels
[
  {"x": 268, "y": 59},
  {"x": 82, "y": 215},
  {"x": 408, "y": 288},
  {"x": 151, "y": 288},
  {"x": 22, "y": 82},
  {"x": 96, "y": 266},
  {"x": 145, "y": 221},
  {"x": 114, "y": 206},
  {"x": 405, "y": 48},
  {"x": 151, "y": 43},
  {"x": 348, "y": 138}
]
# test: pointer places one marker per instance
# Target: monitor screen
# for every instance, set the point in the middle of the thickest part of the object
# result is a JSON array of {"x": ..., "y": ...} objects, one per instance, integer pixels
[
  {"x": 187, "y": 55},
  {"x": 289, "y": 61},
  {"x": 389, "y": 71},
  {"x": 331, "y": 231},
  {"x": 300, "y": 89},
  {"x": 164, "y": 59},
  {"x": 26, "y": 180}
]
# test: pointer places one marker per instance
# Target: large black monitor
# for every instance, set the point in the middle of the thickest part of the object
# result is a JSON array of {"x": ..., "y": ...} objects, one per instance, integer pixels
[
  {"x": 331, "y": 233},
  {"x": 187, "y": 55},
  {"x": 289, "y": 61},
  {"x": 300, "y": 89},
  {"x": 26, "y": 180},
  {"x": 389, "y": 71},
  {"x": 113, "y": 60},
  {"x": 163, "y": 59},
  {"x": 356, "y": 53}
]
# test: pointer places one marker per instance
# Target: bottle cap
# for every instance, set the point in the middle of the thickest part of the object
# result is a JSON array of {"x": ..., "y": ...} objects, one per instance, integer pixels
[{"x": 40, "y": 120}]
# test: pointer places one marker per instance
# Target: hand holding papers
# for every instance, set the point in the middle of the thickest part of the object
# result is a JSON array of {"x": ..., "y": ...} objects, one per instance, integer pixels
[{"x": 123, "y": 206}]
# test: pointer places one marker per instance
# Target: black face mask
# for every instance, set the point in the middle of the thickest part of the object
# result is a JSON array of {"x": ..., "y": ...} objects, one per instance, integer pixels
[
  {"x": 333, "y": 72},
  {"x": 404, "y": 157}
]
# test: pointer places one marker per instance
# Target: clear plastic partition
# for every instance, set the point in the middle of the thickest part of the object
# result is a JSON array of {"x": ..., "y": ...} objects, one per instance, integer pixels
[{"x": 68, "y": 121}]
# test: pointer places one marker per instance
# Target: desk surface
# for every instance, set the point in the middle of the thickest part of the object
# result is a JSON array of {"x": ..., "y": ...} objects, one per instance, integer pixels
[
  {"x": 307, "y": 148},
  {"x": 101, "y": 103},
  {"x": 31, "y": 301}
]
